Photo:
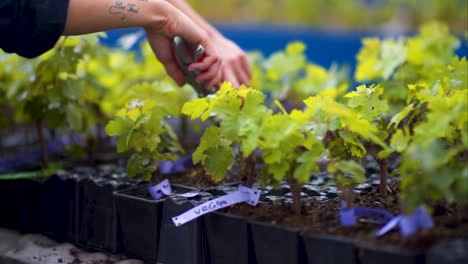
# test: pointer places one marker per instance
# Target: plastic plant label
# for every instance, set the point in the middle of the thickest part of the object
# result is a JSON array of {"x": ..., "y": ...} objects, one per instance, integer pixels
[
  {"x": 418, "y": 220},
  {"x": 242, "y": 195},
  {"x": 347, "y": 215},
  {"x": 409, "y": 224},
  {"x": 380, "y": 215},
  {"x": 254, "y": 194},
  {"x": 389, "y": 226},
  {"x": 164, "y": 189},
  {"x": 161, "y": 190}
]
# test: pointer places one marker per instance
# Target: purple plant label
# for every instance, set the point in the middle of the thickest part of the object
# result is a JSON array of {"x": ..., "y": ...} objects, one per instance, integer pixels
[
  {"x": 347, "y": 215},
  {"x": 161, "y": 190},
  {"x": 373, "y": 213},
  {"x": 418, "y": 220},
  {"x": 409, "y": 224},
  {"x": 166, "y": 166},
  {"x": 242, "y": 195},
  {"x": 389, "y": 226},
  {"x": 425, "y": 219}
]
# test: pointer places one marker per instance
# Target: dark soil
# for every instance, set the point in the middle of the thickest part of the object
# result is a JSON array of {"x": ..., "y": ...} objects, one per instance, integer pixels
[
  {"x": 198, "y": 179},
  {"x": 322, "y": 217},
  {"x": 195, "y": 178}
]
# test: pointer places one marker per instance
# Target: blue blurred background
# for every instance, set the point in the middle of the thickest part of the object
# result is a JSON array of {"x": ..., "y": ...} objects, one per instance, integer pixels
[{"x": 325, "y": 46}]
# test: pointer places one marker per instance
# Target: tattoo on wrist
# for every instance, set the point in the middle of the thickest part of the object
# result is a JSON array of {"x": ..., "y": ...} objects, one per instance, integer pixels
[{"x": 123, "y": 8}]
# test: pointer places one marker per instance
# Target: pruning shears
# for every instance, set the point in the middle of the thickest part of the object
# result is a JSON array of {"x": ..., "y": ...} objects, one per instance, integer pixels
[{"x": 184, "y": 58}]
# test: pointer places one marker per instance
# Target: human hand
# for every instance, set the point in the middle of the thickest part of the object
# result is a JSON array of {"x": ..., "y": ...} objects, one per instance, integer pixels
[
  {"x": 235, "y": 66},
  {"x": 160, "y": 38}
]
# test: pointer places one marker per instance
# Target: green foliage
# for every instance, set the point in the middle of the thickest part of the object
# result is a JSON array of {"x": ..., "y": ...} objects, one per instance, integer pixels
[
  {"x": 286, "y": 75},
  {"x": 142, "y": 131},
  {"x": 241, "y": 113},
  {"x": 415, "y": 107},
  {"x": 380, "y": 59},
  {"x": 427, "y": 123},
  {"x": 289, "y": 149},
  {"x": 214, "y": 153}
]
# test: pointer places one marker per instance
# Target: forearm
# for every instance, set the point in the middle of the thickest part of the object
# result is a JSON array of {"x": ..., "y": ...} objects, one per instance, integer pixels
[
  {"x": 89, "y": 16},
  {"x": 183, "y": 6}
]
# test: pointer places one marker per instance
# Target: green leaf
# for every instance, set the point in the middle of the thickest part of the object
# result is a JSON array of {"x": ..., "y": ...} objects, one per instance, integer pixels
[
  {"x": 218, "y": 160},
  {"x": 396, "y": 119},
  {"x": 295, "y": 48},
  {"x": 368, "y": 102},
  {"x": 195, "y": 108},
  {"x": 208, "y": 140},
  {"x": 74, "y": 117},
  {"x": 354, "y": 171},
  {"x": 141, "y": 164},
  {"x": 215, "y": 153},
  {"x": 400, "y": 140},
  {"x": 308, "y": 163},
  {"x": 118, "y": 125}
]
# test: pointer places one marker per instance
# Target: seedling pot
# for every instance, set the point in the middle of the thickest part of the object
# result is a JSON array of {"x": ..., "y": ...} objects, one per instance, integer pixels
[
  {"x": 184, "y": 244},
  {"x": 368, "y": 254},
  {"x": 97, "y": 215},
  {"x": 276, "y": 244},
  {"x": 10, "y": 212},
  {"x": 229, "y": 239},
  {"x": 27, "y": 200},
  {"x": 325, "y": 249},
  {"x": 140, "y": 221},
  {"x": 59, "y": 207},
  {"x": 452, "y": 252}
]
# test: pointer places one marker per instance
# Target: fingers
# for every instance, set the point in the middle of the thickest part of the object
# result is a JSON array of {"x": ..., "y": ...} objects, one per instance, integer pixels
[
  {"x": 210, "y": 73},
  {"x": 163, "y": 50},
  {"x": 246, "y": 66},
  {"x": 241, "y": 74},
  {"x": 237, "y": 71},
  {"x": 174, "y": 71},
  {"x": 228, "y": 75},
  {"x": 205, "y": 64},
  {"x": 215, "y": 82}
]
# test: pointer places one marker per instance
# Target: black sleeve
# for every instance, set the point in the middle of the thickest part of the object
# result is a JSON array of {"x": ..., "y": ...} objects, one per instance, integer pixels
[{"x": 31, "y": 27}]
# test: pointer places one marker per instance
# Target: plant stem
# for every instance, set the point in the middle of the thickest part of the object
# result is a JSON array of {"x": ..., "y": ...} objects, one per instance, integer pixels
[
  {"x": 383, "y": 164},
  {"x": 247, "y": 170},
  {"x": 42, "y": 142},
  {"x": 296, "y": 195},
  {"x": 348, "y": 195},
  {"x": 251, "y": 161}
]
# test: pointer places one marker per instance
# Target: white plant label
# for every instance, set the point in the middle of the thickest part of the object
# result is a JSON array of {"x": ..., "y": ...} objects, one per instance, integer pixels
[{"x": 242, "y": 195}]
